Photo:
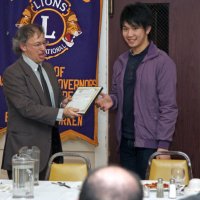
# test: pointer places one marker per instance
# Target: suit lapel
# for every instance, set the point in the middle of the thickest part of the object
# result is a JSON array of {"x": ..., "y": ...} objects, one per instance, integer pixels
[{"x": 33, "y": 80}]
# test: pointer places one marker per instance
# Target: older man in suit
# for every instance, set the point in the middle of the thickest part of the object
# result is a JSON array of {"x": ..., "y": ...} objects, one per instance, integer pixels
[{"x": 34, "y": 99}]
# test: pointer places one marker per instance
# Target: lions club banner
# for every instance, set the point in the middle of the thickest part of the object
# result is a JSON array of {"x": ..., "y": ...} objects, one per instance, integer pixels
[{"x": 72, "y": 29}]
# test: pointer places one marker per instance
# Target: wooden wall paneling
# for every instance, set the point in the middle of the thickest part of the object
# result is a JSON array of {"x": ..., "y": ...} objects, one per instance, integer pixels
[{"x": 185, "y": 43}]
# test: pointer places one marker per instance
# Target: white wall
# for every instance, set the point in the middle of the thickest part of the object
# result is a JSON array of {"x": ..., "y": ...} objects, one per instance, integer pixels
[
  {"x": 98, "y": 155},
  {"x": 3, "y": 173},
  {"x": 101, "y": 152}
]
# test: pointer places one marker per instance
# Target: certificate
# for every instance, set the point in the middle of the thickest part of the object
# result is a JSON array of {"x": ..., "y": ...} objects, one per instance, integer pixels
[{"x": 83, "y": 98}]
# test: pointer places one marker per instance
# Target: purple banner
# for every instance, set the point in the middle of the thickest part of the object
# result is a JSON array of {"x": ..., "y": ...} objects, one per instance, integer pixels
[{"x": 72, "y": 28}]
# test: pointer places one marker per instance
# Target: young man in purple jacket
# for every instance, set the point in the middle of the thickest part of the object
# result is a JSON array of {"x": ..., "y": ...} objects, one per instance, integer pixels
[{"x": 143, "y": 93}]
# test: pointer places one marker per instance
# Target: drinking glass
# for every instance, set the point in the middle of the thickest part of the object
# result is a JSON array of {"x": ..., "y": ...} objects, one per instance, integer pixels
[{"x": 178, "y": 174}]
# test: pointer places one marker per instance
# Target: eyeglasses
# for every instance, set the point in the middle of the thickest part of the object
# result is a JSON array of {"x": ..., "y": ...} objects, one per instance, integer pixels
[{"x": 39, "y": 44}]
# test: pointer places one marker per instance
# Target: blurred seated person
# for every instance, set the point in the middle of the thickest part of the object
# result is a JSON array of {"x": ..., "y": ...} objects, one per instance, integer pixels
[
  {"x": 111, "y": 183},
  {"x": 193, "y": 197}
]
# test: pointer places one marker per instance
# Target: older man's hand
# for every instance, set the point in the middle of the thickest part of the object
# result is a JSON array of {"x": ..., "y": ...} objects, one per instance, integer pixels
[{"x": 71, "y": 112}]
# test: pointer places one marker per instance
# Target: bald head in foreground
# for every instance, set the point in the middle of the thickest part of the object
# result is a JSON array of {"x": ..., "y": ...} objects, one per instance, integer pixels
[{"x": 111, "y": 183}]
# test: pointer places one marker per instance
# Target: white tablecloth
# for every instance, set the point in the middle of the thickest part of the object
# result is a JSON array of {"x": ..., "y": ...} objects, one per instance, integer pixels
[
  {"x": 152, "y": 193},
  {"x": 45, "y": 191},
  {"x": 48, "y": 191},
  {"x": 152, "y": 196}
]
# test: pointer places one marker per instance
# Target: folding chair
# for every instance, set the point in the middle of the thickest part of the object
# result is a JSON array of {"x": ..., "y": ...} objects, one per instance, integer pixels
[
  {"x": 75, "y": 167},
  {"x": 158, "y": 168}
]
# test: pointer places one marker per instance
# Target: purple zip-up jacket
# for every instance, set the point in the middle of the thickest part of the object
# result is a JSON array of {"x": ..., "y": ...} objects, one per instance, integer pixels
[{"x": 155, "y": 107}]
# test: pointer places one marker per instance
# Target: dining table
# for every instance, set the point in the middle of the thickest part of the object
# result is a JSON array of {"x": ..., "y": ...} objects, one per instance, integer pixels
[
  {"x": 46, "y": 190},
  {"x": 69, "y": 190}
]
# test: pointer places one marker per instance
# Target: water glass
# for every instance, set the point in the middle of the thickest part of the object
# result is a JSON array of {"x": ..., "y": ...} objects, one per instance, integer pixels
[
  {"x": 146, "y": 191},
  {"x": 178, "y": 174}
]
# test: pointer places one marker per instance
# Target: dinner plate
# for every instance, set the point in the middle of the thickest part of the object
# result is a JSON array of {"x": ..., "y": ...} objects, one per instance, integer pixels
[
  {"x": 152, "y": 184},
  {"x": 5, "y": 187}
]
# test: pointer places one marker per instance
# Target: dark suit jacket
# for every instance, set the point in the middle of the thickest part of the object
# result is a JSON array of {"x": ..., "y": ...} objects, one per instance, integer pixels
[{"x": 30, "y": 120}]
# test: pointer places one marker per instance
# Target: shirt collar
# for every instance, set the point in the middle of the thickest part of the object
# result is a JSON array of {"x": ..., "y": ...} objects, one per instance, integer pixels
[
  {"x": 141, "y": 53},
  {"x": 31, "y": 63}
]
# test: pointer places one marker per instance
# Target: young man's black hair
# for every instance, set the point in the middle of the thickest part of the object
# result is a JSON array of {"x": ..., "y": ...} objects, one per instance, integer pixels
[{"x": 137, "y": 14}]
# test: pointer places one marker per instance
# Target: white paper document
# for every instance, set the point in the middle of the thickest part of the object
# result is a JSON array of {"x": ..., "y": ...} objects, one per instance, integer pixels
[{"x": 84, "y": 97}]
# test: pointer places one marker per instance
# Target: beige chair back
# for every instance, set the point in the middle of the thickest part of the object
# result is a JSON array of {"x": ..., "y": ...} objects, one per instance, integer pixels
[
  {"x": 75, "y": 167},
  {"x": 162, "y": 168}
]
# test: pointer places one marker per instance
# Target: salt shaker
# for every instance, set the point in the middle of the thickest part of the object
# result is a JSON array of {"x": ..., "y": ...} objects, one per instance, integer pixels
[
  {"x": 160, "y": 189},
  {"x": 172, "y": 189}
]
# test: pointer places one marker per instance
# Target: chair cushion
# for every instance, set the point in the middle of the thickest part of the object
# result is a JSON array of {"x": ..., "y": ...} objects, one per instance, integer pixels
[
  {"x": 162, "y": 169},
  {"x": 68, "y": 172}
]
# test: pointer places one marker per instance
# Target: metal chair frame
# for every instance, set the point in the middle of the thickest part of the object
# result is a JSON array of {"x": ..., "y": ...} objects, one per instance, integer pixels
[
  {"x": 171, "y": 153},
  {"x": 66, "y": 154}
]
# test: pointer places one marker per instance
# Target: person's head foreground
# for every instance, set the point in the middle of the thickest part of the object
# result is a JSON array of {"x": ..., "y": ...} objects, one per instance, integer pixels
[{"x": 111, "y": 183}]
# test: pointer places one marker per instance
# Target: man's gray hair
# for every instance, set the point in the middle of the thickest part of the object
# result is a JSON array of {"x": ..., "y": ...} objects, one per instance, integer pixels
[{"x": 23, "y": 34}]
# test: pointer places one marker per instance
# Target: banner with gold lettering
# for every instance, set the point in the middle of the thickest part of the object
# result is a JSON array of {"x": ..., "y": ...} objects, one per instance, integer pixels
[{"x": 72, "y": 28}]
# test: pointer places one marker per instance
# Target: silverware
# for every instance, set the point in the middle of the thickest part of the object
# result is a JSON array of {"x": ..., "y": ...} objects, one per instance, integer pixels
[
  {"x": 61, "y": 184},
  {"x": 181, "y": 187},
  {"x": 64, "y": 184}
]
